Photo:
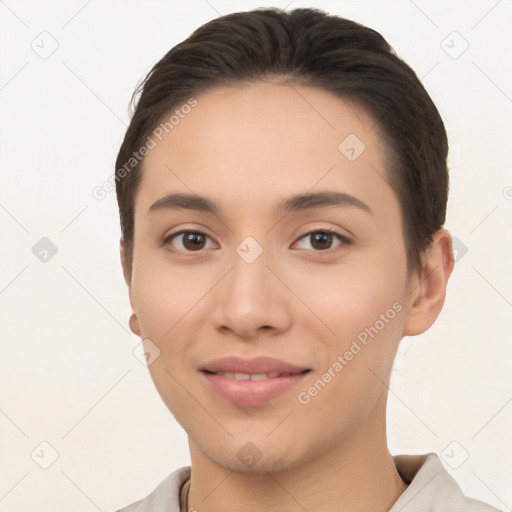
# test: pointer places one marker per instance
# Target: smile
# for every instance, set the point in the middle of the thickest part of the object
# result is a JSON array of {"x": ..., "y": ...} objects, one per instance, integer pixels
[
  {"x": 251, "y": 382},
  {"x": 249, "y": 376}
]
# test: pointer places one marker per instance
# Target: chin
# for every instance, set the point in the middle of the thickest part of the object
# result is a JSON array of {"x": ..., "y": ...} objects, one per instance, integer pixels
[
  {"x": 262, "y": 466},
  {"x": 255, "y": 458}
]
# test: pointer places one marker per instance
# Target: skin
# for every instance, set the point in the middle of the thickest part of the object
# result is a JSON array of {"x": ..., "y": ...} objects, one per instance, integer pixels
[{"x": 248, "y": 148}]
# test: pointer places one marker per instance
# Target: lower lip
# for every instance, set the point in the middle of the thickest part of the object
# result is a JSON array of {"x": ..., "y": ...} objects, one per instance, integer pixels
[{"x": 251, "y": 392}]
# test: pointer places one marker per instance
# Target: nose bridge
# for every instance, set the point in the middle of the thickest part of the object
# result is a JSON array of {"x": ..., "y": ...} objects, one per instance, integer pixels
[
  {"x": 249, "y": 286},
  {"x": 250, "y": 296}
]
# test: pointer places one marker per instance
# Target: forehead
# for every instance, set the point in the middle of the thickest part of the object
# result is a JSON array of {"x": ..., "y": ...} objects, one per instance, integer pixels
[{"x": 263, "y": 141}]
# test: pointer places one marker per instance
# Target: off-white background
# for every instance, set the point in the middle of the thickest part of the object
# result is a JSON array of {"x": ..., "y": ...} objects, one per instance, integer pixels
[{"x": 67, "y": 371}]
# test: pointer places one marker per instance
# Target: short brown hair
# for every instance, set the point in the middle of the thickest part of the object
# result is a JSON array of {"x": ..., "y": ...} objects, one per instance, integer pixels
[{"x": 311, "y": 48}]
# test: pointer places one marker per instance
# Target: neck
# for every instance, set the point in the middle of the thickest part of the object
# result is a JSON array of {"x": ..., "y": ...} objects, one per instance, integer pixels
[{"x": 357, "y": 474}]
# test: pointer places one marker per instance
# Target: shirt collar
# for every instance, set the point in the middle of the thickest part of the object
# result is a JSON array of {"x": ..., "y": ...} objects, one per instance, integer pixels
[{"x": 430, "y": 488}]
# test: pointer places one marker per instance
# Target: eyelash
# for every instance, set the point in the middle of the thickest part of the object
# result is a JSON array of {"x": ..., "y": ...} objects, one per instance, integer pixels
[{"x": 341, "y": 238}]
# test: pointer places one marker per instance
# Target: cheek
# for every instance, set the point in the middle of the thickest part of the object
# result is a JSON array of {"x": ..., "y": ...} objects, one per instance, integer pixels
[
  {"x": 164, "y": 294},
  {"x": 342, "y": 300},
  {"x": 365, "y": 311},
  {"x": 164, "y": 298},
  {"x": 359, "y": 314}
]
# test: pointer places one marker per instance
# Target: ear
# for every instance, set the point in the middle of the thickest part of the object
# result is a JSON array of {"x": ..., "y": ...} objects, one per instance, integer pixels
[
  {"x": 427, "y": 290},
  {"x": 124, "y": 264},
  {"x": 127, "y": 273}
]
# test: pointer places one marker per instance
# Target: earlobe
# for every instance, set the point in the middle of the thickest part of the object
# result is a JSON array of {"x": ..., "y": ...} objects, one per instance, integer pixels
[
  {"x": 428, "y": 291},
  {"x": 134, "y": 324}
]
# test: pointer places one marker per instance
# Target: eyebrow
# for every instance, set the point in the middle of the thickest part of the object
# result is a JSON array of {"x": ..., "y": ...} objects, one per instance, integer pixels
[{"x": 294, "y": 203}]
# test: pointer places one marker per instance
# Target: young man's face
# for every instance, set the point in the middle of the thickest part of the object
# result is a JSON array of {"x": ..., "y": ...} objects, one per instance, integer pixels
[{"x": 259, "y": 281}]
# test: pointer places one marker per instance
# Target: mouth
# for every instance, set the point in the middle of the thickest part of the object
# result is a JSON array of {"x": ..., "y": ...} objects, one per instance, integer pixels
[
  {"x": 252, "y": 382},
  {"x": 254, "y": 376}
]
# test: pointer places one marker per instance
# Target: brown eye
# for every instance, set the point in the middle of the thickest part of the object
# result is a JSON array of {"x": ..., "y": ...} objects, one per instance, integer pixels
[
  {"x": 193, "y": 241},
  {"x": 321, "y": 241},
  {"x": 188, "y": 241}
]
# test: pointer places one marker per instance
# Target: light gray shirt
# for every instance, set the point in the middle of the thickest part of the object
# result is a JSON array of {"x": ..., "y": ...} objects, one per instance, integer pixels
[{"x": 431, "y": 489}]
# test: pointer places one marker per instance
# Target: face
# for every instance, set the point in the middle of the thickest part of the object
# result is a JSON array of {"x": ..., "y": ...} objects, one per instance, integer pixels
[{"x": 319, "y": 283}]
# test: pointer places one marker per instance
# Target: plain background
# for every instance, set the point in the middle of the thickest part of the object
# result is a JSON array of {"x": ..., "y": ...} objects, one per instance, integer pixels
[{"x": 68, "y": 376}]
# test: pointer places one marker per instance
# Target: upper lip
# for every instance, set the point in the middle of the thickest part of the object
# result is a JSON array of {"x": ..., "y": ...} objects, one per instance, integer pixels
[{"x": 255, "y": 365}]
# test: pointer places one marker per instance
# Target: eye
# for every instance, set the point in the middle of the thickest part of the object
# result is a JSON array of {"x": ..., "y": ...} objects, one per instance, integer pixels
[
  {"x": 188, "y": 241},
  {"x": 195, "y": 241},
  {"x": 322, "y": 240}
]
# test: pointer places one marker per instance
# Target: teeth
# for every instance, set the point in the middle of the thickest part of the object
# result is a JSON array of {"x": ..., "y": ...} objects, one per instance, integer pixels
[
  {"x": 259, "y": 376},
  {"x": 248, "y": 376}
]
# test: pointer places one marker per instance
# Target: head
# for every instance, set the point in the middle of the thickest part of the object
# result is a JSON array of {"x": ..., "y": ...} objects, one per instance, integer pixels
[{"x": 251, "y": 110}]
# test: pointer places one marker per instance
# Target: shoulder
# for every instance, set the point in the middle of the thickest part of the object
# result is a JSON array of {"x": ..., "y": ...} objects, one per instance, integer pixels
[
  {"x": 164, "y": 497},
  {"x": 431, "y": 488}
]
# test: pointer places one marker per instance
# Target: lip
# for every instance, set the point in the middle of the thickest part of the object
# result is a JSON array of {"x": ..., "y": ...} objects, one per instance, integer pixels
[
  {"x": 255, "y": 365},
  {"x": 252, "y": 392}
]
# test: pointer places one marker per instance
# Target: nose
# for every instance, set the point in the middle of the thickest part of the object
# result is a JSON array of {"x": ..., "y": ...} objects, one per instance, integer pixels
[{"x": 251, "y": 300}]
